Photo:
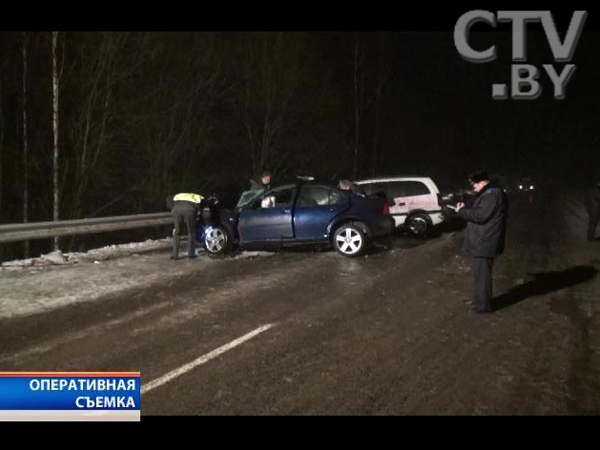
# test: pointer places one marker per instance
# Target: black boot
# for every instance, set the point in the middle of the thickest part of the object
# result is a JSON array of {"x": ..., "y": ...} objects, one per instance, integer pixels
[
  {"x": 192, "y": 250},
  {"x": 176, "y": 240}
]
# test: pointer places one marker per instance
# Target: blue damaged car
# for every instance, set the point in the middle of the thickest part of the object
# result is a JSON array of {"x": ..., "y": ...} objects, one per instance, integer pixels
[{"x": 299, "y": 213}]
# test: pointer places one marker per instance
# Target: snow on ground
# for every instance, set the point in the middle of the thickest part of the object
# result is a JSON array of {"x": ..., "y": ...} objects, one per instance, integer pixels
[
  {"x": 96, "y": 255},
  {"x": 54, "y": 280}
]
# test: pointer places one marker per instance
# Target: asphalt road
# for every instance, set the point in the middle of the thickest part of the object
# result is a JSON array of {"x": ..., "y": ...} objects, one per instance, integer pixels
[{"x": 314, "y": 333}]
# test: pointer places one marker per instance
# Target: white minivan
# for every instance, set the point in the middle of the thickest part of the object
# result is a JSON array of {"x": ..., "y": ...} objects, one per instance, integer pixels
[{"x": 415, "y": 202}]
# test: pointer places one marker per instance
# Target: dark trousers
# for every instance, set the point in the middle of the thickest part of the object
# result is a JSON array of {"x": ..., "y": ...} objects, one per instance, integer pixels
[
  {"x": 482, "y": 271},
  {"x": 184, "y": 214}
]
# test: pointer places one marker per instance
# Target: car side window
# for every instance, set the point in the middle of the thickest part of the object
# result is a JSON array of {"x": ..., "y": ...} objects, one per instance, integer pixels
[
  {"x": 277, "y": 198},
  {"x": 395, "y": 189},
  {"x": 373, "y": 188},
  {"x": 414, "y": 188},
  {"x": 318, "y": 196},
  {"x": 401, "y": 189},
  {"x": 335, "y": 198}
]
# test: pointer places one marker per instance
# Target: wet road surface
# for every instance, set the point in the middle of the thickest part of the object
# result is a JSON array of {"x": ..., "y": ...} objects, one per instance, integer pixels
[{"x": 387, "y": 334}]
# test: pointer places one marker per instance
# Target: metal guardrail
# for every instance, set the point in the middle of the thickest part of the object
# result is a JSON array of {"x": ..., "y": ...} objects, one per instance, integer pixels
[{"x": 44, "y": 230}]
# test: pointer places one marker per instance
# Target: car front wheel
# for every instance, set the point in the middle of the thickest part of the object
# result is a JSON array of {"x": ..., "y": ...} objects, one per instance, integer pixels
[
  {"x": 349, "y": 240},
  {"x": 216, "y": 240}
]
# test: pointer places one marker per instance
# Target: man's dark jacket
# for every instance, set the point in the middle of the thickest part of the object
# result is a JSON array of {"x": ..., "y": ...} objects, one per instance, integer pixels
[
  {"x": 592, "y": 200},
  {"x": 486, "y": 227}
]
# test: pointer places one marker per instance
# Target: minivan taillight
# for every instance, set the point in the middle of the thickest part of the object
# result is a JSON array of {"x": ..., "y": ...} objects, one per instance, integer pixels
[
  {"x": 386, "y": 208},
  {"x": 439, "y": 196}
]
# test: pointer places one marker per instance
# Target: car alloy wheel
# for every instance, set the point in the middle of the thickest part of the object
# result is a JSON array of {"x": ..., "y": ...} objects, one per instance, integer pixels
[
  {"x": 349, "y": 240},
  {"x": 215, "y": 240},
  {"x": 418, "y": 225}
]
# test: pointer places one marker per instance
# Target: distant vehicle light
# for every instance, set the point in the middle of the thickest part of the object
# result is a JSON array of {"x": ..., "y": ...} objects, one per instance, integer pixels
[
  {"x": 531, "y": 187},
  {"x": 520, "y": 186}
]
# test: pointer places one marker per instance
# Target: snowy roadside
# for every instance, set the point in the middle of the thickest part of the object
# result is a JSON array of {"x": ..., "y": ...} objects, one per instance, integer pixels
[
  {"x": 96, "y": 255},
  {"x": 51, "y": 281}
]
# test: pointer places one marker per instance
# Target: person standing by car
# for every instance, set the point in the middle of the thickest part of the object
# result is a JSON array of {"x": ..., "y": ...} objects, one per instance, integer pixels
[
  {"x": 185, "y": 208},
  {"x": 347, "y": 185},
  {"x": 486, "y": 218},
  {"x": 592, "y": 203},
  {"x": 264, "y": 183}
]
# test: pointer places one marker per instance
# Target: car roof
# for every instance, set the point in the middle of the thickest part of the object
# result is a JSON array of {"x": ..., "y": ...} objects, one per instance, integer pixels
[
  {"x": 397, "y": 178},
  {"x": 297, "y": 183}
]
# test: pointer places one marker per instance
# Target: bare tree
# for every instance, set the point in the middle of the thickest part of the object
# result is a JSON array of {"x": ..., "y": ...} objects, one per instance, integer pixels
[
  {"x": 91, "y": 114},
  {"x": 25, "y": 145},
  {"x": 364, "y": 93},
  {"x": 358, "y": 109},
  {"x": 382, "y": 75},
  {"x": 93, "y": 118},
  {"x": 55, "y": 129},
  {"x": 2, "y": 137},
  {"x": 273, "y": 67},
  {"x": 176, "y": 119}
]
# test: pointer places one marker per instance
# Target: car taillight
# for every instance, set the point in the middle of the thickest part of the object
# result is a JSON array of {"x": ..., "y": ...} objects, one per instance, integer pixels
[
  {"x": 386, "y": 208},
  {"x": 439, "y": 197}
]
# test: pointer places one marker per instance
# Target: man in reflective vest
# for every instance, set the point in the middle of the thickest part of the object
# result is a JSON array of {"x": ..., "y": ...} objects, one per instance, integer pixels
[{"x": 186, "y": 207}]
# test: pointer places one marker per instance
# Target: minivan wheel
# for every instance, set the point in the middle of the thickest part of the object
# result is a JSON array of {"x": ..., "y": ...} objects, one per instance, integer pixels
[
  {"x": 419, "y": 224},
  {"x": 216, "y": 240},
  {"x": 349, "y": 240}
]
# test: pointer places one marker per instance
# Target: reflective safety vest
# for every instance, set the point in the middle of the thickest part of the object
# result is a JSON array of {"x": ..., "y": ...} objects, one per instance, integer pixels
[{"x": 194, "y": 198}]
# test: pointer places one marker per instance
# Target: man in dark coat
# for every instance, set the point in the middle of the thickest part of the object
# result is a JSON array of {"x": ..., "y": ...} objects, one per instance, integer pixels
[
  {"x": 185, "y": 209},
  {"x": 485, "y": 234},
  {"x": 592, "y": 203}
]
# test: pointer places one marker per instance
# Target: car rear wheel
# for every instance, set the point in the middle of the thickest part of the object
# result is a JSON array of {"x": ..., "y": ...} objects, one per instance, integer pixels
[
  {"x": 419, "y": 224},
  {"x": 349, "y": 240},
  {"x": 216, "y": 240}
]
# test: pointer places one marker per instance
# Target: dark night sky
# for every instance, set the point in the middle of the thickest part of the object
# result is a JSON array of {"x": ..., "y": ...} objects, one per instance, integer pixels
[
  {"x": 449, "y": 108},
  {"x": 438, "y": 116}
]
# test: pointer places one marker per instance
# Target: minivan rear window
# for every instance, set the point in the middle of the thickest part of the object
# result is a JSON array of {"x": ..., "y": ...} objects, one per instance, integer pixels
[
  {"x": 395, "y": 189},
  {"x": 373, "y": 188},
  {"x": 414, "y": 188}
]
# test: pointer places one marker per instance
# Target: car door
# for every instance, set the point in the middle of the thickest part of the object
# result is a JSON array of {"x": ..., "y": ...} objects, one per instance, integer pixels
[
  {"x": 315, "y": 208},
  {"x": 269, "y": 217}
]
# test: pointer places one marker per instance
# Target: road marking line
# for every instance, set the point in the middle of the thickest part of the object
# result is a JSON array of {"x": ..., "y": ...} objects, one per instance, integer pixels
[{"x": 203, "y": 359}]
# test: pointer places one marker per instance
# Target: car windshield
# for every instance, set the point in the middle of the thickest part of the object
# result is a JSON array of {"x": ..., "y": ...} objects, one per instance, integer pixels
[{"x": 248, "y": 196}]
